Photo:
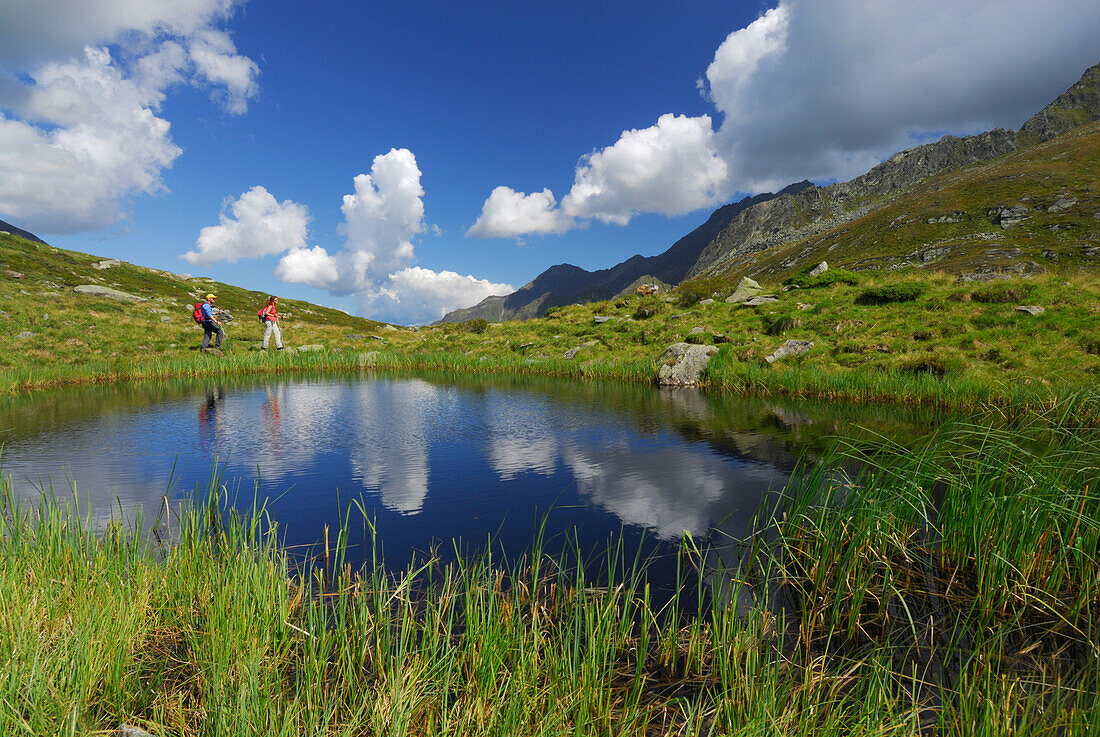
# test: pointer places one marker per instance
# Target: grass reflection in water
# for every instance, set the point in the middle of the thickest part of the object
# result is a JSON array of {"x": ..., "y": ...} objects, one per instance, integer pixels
[{"x": 947, "y": 589}]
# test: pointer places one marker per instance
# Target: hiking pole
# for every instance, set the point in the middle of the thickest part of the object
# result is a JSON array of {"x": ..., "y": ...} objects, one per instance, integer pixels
[{"x": 226, "y": 319}]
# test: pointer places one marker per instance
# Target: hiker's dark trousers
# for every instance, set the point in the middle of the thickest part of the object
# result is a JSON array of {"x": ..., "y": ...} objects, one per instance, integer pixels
[{"x": 208, "y": 329}]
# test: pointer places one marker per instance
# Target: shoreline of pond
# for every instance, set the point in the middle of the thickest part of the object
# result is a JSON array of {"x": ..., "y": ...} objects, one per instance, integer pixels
[{"x": 1017, "y": 399}]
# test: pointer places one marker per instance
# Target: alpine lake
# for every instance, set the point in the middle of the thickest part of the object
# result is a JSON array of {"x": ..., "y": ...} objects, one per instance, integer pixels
[{"x": 415, "y": 464}]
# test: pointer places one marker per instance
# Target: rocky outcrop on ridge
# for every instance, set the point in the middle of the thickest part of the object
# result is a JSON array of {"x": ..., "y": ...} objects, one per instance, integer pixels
[
  {"x": 1076, "y": 106},
  {"x": 814, "y": 210}
]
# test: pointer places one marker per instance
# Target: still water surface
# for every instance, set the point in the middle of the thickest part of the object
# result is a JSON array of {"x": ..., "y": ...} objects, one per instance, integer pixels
[{"x": 430, "y": 458}]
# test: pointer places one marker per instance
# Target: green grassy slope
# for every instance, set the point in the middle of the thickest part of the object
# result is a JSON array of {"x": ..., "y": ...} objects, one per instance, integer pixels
[
  {"x": 949, "y": 222},
  {"x": 48, "y": 330}
]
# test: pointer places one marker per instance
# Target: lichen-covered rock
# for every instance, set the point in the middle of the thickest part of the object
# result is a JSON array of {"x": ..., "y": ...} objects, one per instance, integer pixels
[
  {"x": 682, "y": 364},
  {"x": 312, "y": 348},
  {"x": 125, "y": 730},
  {"x": 1006, "y": 217},
  {"x": 1064, "y": 202},
  {"x": 109, "y": 263},
  {"x": 570, "y": 354},
  {"x": 95, "y": 290},
  {"x": 763, "y": 299},
  {"x": 1034, "y": 310},
  {"x": 746, "y": 289},
  {"x": 790, "y": 348},
  {"x": 820, "y": 269}
]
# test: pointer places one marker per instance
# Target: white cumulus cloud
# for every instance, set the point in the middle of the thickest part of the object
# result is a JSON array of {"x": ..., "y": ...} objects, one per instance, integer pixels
[
  {"x": 50, "y": 29},
  {"x": 415, "y": 295},
  {"x": 508, "y": 213},
  {"x": 253, "y": 226},
  {"x": 81, "y": 86},
  {"x": 232, "y": 75},
  {"x": 381, "y": 218},
  {"x": 88, "y": 139},
  {"x": 312, "y": 266},
  {"x": 669, "y": 168},
  {"x": 823, "y": 89}
]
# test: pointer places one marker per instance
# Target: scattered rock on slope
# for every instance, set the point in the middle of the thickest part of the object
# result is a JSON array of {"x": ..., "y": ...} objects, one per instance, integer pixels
[
  {"x": 682, "y": 364},
  {"x": 97, "y": 291},
  {"x": 746, "y": 289},
  {"x": 790, "y": 348}
]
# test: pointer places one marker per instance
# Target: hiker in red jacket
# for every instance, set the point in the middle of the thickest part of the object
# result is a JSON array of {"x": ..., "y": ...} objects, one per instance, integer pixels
[{"x": 269, "y": 316}]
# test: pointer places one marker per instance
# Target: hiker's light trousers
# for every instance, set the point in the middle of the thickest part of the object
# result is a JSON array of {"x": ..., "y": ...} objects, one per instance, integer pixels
[{"x": 272, "y": 327}]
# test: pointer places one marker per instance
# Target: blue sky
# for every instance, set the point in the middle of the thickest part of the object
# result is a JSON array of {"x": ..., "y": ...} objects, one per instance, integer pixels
[{"x": 401, "y": 159}]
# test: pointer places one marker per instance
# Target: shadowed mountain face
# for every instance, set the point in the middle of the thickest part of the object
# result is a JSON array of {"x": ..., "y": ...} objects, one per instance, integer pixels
[
  {"x": 9, "y": 228},
  {"x": 737, "y": 233}
]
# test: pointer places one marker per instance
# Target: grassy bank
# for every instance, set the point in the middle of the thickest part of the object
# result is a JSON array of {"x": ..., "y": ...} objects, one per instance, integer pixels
[
  {"x": 950, "y": 589},
  {"x": 912, "y": 336}
]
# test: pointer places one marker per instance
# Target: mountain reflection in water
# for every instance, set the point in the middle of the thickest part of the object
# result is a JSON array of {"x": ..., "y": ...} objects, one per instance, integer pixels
[{"x": 431, "y": 458}]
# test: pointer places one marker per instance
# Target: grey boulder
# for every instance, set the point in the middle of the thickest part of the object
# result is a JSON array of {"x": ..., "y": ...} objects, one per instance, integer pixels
[
  {"x": 95, "y": 290},
  {"x": 746, "y": 289},
  {"x": 790, "y": 348},
  {"x": 682, "y": 364},
  {"x": 763, "y": 299}
]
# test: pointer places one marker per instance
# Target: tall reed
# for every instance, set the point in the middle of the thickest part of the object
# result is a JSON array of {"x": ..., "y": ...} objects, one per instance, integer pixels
[{"x": 950, "y": 588}]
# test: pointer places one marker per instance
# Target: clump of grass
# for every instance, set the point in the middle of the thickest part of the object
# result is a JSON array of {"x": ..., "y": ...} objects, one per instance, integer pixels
[
  {"x": 931, "y": 365},
  {"x": 778, "y": 324},
  {"x": 695, "y": 290},
  {"x": 890, "y": 293},
  {"x": 1001, "y": 293},
  {"x": 825, "y": 279},
  {"x": 699, "y": 338},
  {"x": 478, "y": 325},
  {"x": 970, "y": 559}
]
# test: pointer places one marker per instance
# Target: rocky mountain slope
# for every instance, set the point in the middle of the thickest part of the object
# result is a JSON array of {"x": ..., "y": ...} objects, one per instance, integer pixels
[
  {"x": 1024, "y": 213},
  {"x": 565, "y": 284},
  {"x": 733, "y": 238}
]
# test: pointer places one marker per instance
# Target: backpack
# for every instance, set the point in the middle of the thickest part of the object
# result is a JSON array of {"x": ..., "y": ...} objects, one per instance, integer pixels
[
  {"x": 260, "y": 314},
  {"x": 197, "y": 314}
]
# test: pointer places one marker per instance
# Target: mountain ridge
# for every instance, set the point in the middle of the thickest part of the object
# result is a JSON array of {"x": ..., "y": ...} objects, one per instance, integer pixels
[{"x": 735, "y": 233}]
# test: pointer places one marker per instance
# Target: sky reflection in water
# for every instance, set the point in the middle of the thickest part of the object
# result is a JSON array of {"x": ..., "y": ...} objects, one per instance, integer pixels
[{"x": 430, "y": 459}]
